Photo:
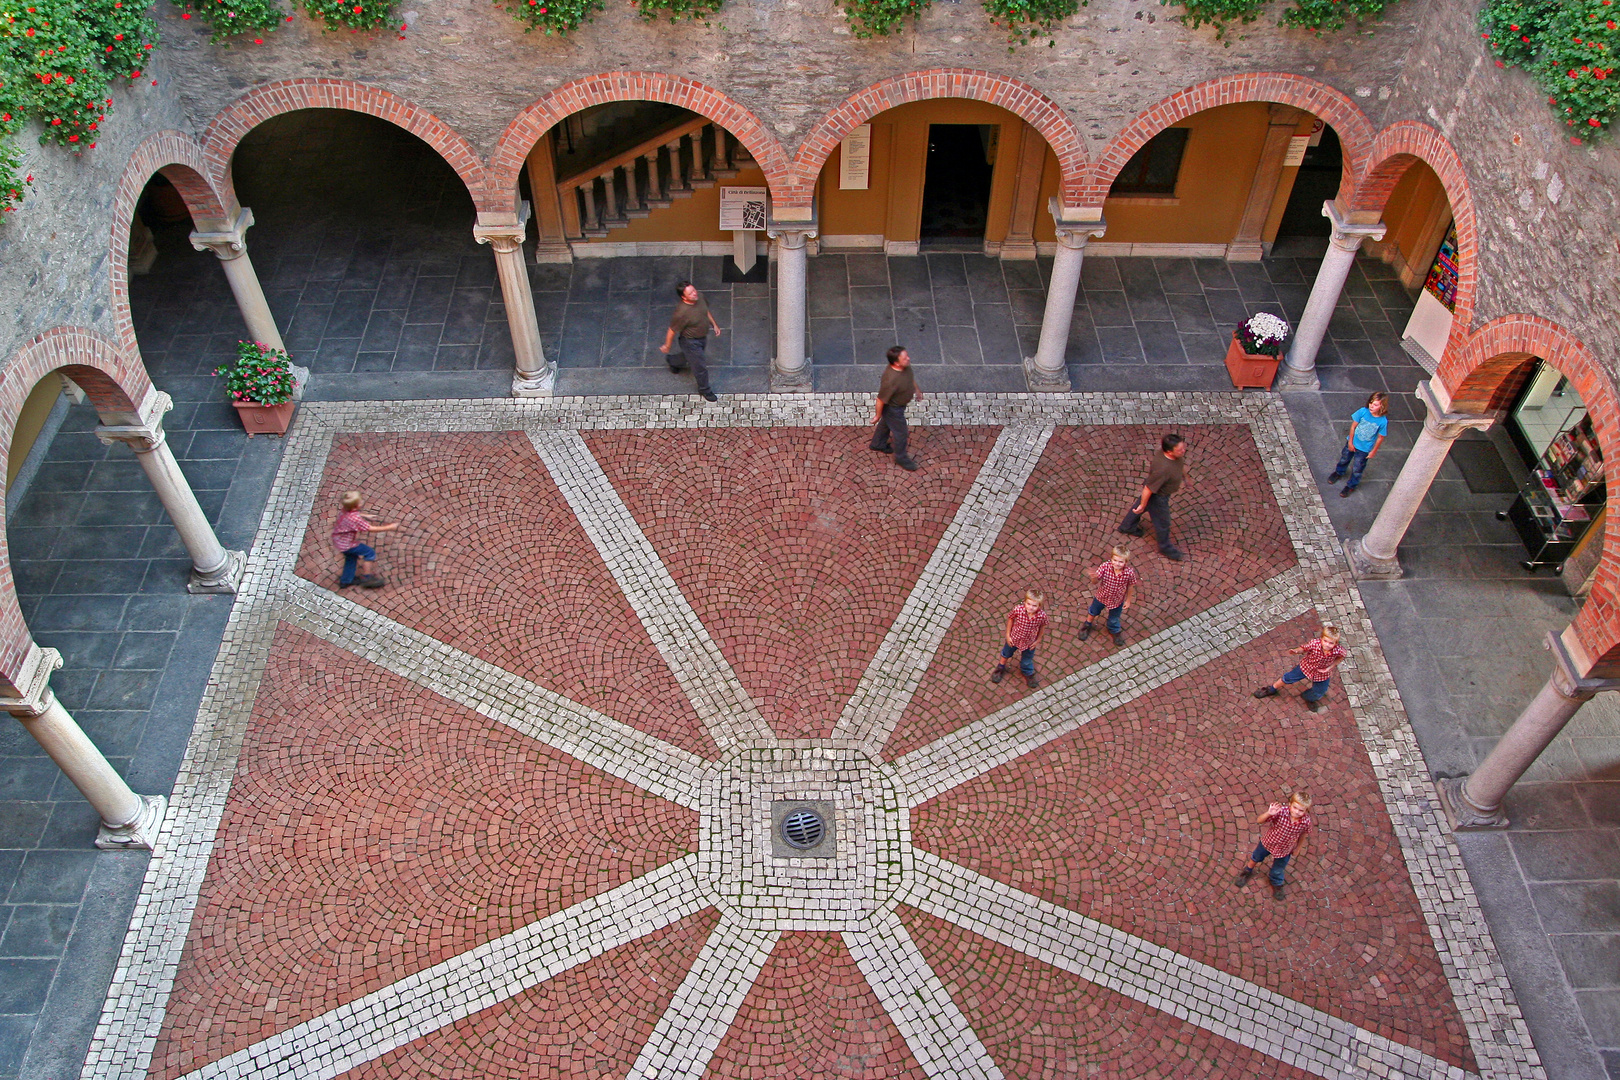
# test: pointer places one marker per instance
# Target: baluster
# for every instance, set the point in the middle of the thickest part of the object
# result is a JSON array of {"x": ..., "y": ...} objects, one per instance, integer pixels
[
  {"x": 699, "y": 155},
  {"x": 723, "y": 143},
  {"x": 611, "y": 193},
  {"x": 677, "y": 178},
  {"x": 587, "y": 192},
  {"x": 633, "y": 197},
  {"x": 655, "y": 190}
]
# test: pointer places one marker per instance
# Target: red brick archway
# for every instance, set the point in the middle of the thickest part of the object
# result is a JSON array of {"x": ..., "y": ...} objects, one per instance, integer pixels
[
  {"x": 512, "y": 150},
  {"x": 1354, "y": 130},
  {"x": 1477, "y": 371},
  {"x": 1395, "y": 150},
  {"x": 232, "y": 123},
  {"x": 1018, "y": 98},
  {"x": 178, "y": 157},
  {"x": 115, "y": 381}
]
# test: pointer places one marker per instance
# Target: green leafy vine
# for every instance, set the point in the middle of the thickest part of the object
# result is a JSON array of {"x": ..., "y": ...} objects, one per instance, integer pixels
[
  {"x": 696, "y": 10},
  {"x": 875, "y": 18},
  {"x": 1027, "y": 20},
  {"x": 1569, "y": 47},
  {"x": 552, "y": 16},
  {"x": 1319, "y": 16}
]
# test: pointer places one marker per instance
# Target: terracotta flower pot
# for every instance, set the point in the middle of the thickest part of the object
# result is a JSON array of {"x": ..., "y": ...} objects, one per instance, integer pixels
[
  {"x": 1250, "y": 369},
  {"x": 265, "y": 419}
]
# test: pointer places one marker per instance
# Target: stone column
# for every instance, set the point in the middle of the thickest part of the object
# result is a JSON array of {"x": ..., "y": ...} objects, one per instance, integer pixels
[
  {"x": 1026, "y": 199},
  {"x": 214, "y": 568},
  {"x": 790, "y": 371},
  {"x": 231, "y": 247},
  {"x": 128, "y": 820},
  {"x": 1299, "y": 372},
  {"x": 1475, "y": 801},
  {"x": 535, "y": 376},
  {"x": 1373, "y": 555},
  {"x": 1048, "y": 370},
  {"x": 1248, "y": 245}
]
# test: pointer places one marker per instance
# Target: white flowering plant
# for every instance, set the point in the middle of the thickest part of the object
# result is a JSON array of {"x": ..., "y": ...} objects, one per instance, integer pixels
[{"x": 1263, "y": 334}]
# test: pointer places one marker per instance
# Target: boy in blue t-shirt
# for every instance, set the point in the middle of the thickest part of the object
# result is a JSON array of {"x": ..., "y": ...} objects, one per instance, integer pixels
[{"x": 1368, "y": 426}]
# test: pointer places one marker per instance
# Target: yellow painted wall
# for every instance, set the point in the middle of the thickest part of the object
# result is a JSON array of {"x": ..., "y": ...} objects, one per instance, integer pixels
[
  {"x": 1285, "y": 186},
  {"x": 1415, "y": 211},
  {"x": 694, "y": 218},
  {"x": 35, "y": 409},
  {"x": 859, "y": 213}
]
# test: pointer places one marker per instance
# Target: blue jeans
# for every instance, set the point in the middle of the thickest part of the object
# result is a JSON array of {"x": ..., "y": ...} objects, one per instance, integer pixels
[
  {"x": 1355, "y": 461},
  {"x": 1026, "y": 659},
  {"x": 351, "y": 560},
  {"x": 1277, "y": 865},
  {"x": 1113, "y": 614},
  {"x": 1317, "y": 691}
]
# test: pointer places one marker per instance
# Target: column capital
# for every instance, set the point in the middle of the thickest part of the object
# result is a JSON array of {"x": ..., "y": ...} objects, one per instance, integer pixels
[
  {"x": 31, "y": 689},
  {"x": 1075, "y": 227},
  {"x": 1443, "y": 424},
  {"x": 1567, "y": 679},
  {"x": 230, "y": 243},
  {"x": 147, "y": 434},
  {"x": 506, "y": 236},
  {"x": 793, "y": 233},
  {"x": 1347, "y": 235}
]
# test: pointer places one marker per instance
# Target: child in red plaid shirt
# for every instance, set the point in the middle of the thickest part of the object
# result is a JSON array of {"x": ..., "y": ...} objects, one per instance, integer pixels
[
  {"x": 1284, "y": 837},
  {"x": 1116, "y": 588},
  {"x": 1317, "y": 659},
  {"x": 358, "y": 558},
  {"x": 1025, "y": 625}
]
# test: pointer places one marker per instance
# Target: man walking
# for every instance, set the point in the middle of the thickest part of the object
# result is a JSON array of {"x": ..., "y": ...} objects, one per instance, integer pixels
[
  {"x": 897, "y": 390},
  {"x": 1165, "y": 477},
  {"x": 1368, "y": 426},
  {"x": 691, "y": 323}
]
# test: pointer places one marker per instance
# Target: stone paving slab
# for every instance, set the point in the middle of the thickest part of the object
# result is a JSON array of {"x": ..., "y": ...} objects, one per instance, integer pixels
[{"x": 433, "y": 998}]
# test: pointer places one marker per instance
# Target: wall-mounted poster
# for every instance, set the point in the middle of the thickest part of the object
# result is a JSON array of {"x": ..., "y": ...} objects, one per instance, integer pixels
[
  {"x": 1442, "y": 280},
  {"x": 742, "y": 208},
  {"x": 855, "y": 159}
]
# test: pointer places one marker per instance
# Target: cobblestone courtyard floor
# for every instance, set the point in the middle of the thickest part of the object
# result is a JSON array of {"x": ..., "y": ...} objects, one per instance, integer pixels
[{"x": 511, "y": 815}]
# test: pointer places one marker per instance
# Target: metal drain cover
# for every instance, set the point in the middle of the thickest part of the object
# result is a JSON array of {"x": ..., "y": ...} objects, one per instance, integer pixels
[{"x": 803, "y": 829}]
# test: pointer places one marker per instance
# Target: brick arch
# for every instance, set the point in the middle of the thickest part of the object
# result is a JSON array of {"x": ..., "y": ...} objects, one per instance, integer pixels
[
  {"x": 512, "y": 149},
  {"x": 115, "y": 381},
  {"x": 1484, "y": 367},
  {"x": 1018, "y": 98},
  {"x": 180, "y": 159},
  {"x": 1395, "y": 150},
  {"x": 1354, "y": 130},
  {"x": 231, "y": 124}
]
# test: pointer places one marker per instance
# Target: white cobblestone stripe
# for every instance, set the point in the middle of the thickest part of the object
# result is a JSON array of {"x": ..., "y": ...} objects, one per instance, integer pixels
[
  {"x": 417, "y": 1005},
  {"x": 906, "y": 651},
  {"x": 705, "y": 1005},
  {"x": 582, "y": 733},
  {"x": 1230, "y": 1007},
  {"x": 692, "y": 655},
  {"x": 940, "y": 1037},
  {"x": 1072, "y": 702}
]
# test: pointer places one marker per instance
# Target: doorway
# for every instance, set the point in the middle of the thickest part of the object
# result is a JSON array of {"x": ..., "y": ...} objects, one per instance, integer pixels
[
  {"x": 956, "y": 185},
  {"x": 1316, "y": 183}
]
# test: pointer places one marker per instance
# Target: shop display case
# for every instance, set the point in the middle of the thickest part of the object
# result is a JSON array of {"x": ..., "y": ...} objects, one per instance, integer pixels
[{"x": 1556, "y": 505}]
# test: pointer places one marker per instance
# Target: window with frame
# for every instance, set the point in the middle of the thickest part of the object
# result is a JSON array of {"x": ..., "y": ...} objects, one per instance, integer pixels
[{"x": 1153, "y": 170}]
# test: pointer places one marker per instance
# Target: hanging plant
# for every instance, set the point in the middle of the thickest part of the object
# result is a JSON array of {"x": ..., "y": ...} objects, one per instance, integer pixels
[
  {"x": 354, "y": 15},
  {"x": 696, "y": 10},
  {"x": 230, "y": 18},
  {"x": 1030, "y": 19},
  {"x": 1320, "y": 16},
  {"x": 1571, "y": 48},
  {"x": 552, "y": 16},
  {"x": 875, "y": 18}
]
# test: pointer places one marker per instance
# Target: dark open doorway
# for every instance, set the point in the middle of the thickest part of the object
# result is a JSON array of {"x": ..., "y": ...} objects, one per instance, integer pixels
[
  {"x": 1316, "y": 183},
  {"x": 956, "y": 186}
]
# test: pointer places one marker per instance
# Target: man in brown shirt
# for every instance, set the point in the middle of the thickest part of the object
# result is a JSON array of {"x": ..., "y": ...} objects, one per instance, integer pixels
[
  {"x": 691, "y": 323},
  {"x": 897, "y": 390},
  {"x": 1164, "y": 479}
]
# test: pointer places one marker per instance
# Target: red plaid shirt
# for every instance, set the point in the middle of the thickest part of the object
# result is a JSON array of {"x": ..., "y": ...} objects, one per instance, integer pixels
[
  {"x": 1026, "y": 626},
  {"x": 1284, "y": 831},
  {"x": 1113, "y": 584},
  {"x": 347, "y": 528},
  {"x": 1318, "y": 661}
]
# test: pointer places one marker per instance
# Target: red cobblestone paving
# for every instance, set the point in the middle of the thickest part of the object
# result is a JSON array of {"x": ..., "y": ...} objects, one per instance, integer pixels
[
  {"x": 1141, "y": 819},
  {"x": 811, "y": 1013},
  {"x": 374, "y": 829},
  {"x": 1064, "y": 525},
  {"x": 1041, "y": 1023},
  {"x": 590, "y": 1021},
  {"x": 797, "y": 547},
  {"x": 492, "y": 561}
]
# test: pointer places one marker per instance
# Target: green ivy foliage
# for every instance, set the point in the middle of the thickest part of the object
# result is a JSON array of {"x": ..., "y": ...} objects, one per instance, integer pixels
[
  {"x": 552, "y": 16},
  {"x": 58, "y": 61},
  {"x": 696, "y": 10},
  {"x": 1029, "y": 19},
  {"x": 353, "y": 15},
  {"x": 229, "y": 18},
  {"x": 1319, "y": 16},
  {"x": 875, "y": 18},
  {"x": 1570, "y": 47}
]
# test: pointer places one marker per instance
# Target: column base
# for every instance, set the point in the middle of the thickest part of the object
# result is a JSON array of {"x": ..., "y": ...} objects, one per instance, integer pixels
[
  {"x": 1042, "y": 381},
  {"x": 553, "y": 251},
  {"x": 140, "y": 834},
  {"x": 1018, "y": 250},
  {"x": 1365, "y": 567},
  {"x": 1291, "y": 378},
  {"x": 1463, "y": 815},
  {"x": 1245, "y": 251},
  {"x": 542, "y": 383},
  {"x": 792, "y": 382},
  {"x": 224, "y": 580}
]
